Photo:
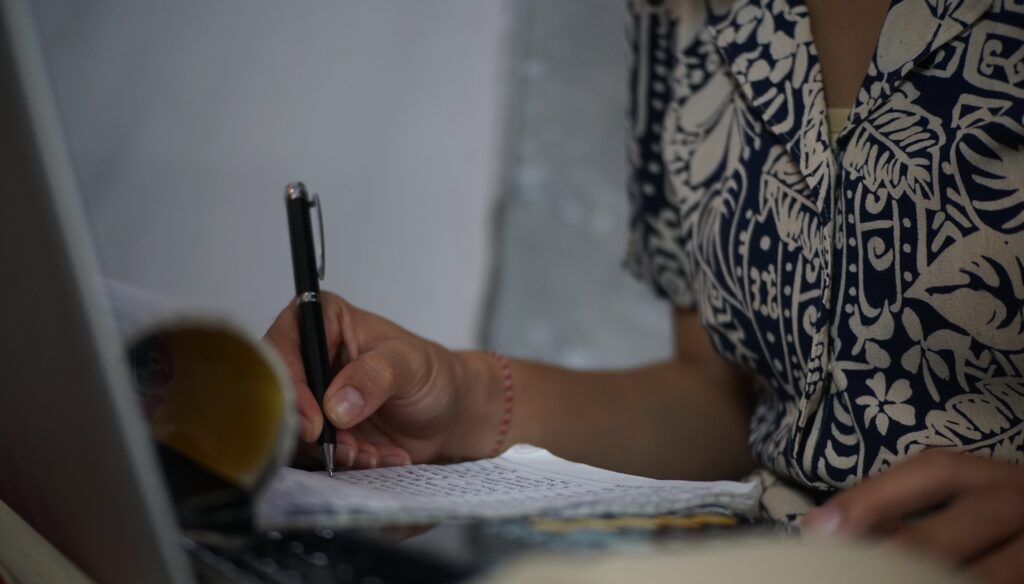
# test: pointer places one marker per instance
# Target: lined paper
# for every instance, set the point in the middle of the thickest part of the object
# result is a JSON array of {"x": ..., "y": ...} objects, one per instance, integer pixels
[{"x": 524, "y": 481}]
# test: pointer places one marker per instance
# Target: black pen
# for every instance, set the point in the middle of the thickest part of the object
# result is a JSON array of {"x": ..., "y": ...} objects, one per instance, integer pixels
[{"x": 309, "y": 270}]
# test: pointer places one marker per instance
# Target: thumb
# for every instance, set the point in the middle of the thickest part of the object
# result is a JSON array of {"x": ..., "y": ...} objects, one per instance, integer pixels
[{"x": 362, "y": 387}]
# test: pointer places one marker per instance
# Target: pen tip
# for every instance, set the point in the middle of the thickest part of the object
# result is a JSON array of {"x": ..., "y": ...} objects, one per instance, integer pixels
[{"x": 328, "y": 452}]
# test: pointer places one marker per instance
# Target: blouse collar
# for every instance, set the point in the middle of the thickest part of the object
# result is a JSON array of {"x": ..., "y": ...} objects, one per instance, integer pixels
[{"x": 770, "y": 50}]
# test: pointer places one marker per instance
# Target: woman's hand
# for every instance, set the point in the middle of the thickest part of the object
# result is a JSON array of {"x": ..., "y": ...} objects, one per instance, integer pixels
[
  {"x": 963, "y": 509},
  {"x": 395, "y": 397}
]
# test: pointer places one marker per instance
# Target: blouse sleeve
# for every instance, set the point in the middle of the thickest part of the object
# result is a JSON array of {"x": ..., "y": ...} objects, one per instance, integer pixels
[{"x": 657, "y": 251}]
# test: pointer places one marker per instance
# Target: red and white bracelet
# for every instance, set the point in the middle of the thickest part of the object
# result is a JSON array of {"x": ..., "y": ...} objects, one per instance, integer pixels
[{"x": 506, "y": 412}]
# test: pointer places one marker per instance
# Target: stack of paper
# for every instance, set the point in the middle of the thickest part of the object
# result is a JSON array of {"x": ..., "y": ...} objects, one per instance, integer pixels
[{"x": 524, "y": 481}]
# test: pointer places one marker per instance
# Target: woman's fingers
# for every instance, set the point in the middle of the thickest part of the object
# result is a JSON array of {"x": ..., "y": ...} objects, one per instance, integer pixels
[
  {"x": 388, "y": 451},
  {"x": 284, "y": 337},
  {"x": 380, "y": 455},
  {"x": 922, "y": 482},
  {"x": 367, "y": 457},
  {"x": 1004, "y": 564},
  {"x": 973, "y": 523},
  {"x": 393, "y": 455},
  {"x": 376, "y": 446},
  {"x": 311, "y": 420},
  {"x": 346, "y": 449},
  {"x": 352, "y": 452}
]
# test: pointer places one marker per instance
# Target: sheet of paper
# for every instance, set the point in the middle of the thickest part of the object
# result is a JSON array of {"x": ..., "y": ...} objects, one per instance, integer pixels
[{"x": 523, "y": 481}]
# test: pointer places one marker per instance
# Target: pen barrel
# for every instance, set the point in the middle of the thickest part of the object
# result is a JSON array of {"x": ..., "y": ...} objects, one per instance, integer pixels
[
  {"x": 300, "y": 232},
  {"x": 316, "y": 364},
  {"x": 313, "y": 341}
]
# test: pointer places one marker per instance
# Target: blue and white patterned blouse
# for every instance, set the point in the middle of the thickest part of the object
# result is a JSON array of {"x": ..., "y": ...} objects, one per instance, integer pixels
[{"x": 875, "y": 289}]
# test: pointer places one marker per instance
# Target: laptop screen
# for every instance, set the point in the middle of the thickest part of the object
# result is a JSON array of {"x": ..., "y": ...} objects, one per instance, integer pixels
[{"x": 77, "y": 463}]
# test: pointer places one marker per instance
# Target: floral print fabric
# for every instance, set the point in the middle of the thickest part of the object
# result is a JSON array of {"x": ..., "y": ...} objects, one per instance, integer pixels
[{"x": 874, "y": 288}]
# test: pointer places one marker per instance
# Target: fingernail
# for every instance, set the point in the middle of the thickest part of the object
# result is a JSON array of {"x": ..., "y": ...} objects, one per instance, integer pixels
[
  {"x": 346, "y": 454},
  {"x": 394, "y": 460},
  {"x": 306, "y": 430},
  {"x": 345, "y": 406},
  {"x": 366, "y": 460},
  {"x": 822, "y": 521}
]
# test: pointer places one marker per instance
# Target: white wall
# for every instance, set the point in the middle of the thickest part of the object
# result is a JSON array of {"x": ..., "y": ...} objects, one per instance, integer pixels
[{"x": 187, "y": 118}]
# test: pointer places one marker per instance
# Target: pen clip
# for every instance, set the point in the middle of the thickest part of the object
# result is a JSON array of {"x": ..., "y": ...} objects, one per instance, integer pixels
[{"x": 321, "y": 264}]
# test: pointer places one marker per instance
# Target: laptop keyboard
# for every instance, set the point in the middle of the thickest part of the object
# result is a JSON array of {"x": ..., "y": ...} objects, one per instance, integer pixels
[{"x": 314, "y": 557}]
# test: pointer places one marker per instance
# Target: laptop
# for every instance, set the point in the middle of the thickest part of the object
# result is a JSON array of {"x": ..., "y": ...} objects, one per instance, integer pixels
[{"x": 76, "y": 460}]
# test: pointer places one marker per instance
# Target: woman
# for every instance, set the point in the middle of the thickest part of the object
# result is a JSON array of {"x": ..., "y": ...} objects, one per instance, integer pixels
[{"x": 831, "y": 194}]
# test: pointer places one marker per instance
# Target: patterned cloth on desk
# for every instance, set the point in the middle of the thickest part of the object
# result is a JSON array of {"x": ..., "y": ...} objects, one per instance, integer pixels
[{"x": 875, "y": 289}]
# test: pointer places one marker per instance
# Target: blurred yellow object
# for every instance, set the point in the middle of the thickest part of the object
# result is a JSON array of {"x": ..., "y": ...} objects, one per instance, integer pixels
[{"x": 216, "y": 396}]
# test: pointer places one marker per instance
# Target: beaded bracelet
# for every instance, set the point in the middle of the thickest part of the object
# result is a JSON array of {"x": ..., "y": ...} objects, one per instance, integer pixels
[{"x": 506, "y": 413}]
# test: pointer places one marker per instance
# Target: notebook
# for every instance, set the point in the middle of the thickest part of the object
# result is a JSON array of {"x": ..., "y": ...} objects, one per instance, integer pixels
[{"x": 524, "y": 481}]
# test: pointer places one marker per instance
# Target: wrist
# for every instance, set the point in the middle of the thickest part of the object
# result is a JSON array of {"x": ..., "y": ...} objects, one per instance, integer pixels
[{"x": 479, "y": 405}]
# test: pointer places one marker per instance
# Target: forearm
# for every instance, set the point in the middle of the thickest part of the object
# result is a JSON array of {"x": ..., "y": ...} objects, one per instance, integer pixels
[{"x": 676, "y": 419}]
